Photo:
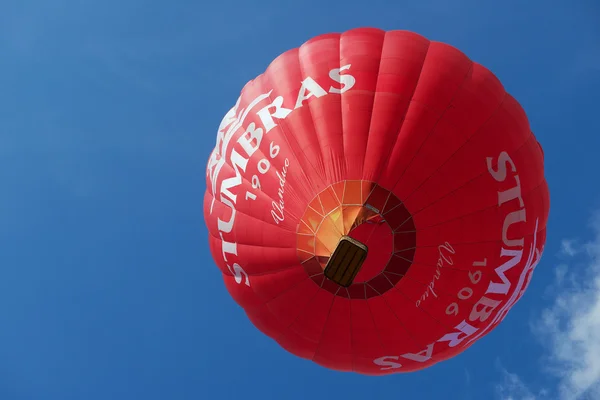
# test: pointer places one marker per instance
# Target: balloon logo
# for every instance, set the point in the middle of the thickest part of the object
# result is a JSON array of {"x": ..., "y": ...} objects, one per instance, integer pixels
[{"x": 376, "y": 201}]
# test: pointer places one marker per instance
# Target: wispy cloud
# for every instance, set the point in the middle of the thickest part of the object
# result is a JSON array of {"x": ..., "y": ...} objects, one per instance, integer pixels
[
  {"x": 569, "y": 247},
  {"x": 569, "y": 328},
  {"x": 512, "y": 388}
]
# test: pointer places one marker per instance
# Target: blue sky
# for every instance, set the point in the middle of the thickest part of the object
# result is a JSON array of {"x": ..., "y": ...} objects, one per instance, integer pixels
[{"x": 108, "y": 112}]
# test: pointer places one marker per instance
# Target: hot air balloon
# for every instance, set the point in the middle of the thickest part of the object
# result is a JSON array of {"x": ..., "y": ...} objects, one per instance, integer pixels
[{"x": 376, "y": 201}]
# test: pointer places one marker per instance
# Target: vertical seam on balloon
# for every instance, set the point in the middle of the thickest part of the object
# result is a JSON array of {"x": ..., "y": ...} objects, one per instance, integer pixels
[
  {"x": 385, "y": 204},
  {"x": 459, "y": 89},
  {"x": 319, "y": 342},
  {"x": 364, "y": 201},
  {"x": 342, "y": 173},
  {"x": 379, "y": 339},
  {"x": 402, "y": 119},
  {"x": 321, "y": 204},
  {"x": 364, "y": 154},
  {"x": 342, "y": 207},
  {"x": 373, "y": 104},
  {"x": 321, "y": 158}
]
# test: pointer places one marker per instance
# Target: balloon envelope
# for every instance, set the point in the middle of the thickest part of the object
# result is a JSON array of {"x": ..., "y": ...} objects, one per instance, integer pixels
[{"x": 376, "y": 201}]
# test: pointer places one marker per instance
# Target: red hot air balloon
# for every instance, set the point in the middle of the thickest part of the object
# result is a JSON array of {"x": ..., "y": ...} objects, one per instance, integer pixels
[{"x": 376, "y": 201}]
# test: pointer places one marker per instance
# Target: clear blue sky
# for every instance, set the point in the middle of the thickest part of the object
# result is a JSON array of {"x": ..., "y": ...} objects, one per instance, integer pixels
[{"x": 108, "y": 112}]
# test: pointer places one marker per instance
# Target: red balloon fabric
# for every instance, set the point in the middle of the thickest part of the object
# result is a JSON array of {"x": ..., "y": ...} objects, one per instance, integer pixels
[{"x": 376, "y": 201}]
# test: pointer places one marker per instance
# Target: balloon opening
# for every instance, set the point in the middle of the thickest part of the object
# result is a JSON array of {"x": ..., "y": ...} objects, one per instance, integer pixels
[{"x": 356, "y": 239}]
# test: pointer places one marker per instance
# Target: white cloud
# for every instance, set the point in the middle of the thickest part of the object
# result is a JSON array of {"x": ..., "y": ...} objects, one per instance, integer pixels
[
  {"x": 560, "y": 273},
  {"x": 569, "y": 247},
  {"x": 570, "y": 327},
  {"x": 512, "y": 388}
]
